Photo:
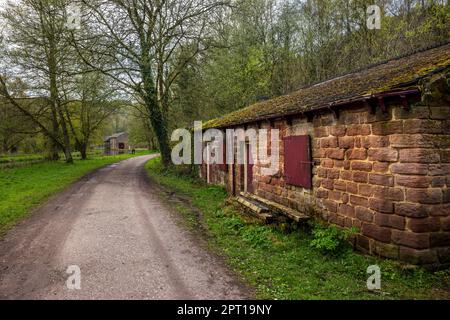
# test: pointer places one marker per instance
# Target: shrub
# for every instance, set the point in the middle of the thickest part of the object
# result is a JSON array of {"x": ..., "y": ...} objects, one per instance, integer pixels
[{"x": 330, "y": 239}]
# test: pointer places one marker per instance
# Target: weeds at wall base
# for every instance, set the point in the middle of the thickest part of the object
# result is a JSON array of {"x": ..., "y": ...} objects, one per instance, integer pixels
[{"x": 281, "y": 264}]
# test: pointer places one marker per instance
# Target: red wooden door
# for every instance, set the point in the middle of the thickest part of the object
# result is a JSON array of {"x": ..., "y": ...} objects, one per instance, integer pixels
[{"x": 250, "y": 165}]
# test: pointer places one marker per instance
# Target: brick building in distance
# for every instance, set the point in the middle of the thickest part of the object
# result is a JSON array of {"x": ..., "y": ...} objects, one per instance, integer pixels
[
  {"x": 116, "y": 144},
  {"x": 370, "y": 149}
]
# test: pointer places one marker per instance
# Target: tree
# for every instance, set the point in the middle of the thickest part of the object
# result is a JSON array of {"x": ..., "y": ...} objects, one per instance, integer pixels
[
  {"x": 14, "y": 128},
  {"x": 268, "y": 48},
  {"x": 93, "y": 103},
  {"x": 136, "y": 40},
  {"x": 37, "y": 49},
  {"x": 140, "y": 130}
]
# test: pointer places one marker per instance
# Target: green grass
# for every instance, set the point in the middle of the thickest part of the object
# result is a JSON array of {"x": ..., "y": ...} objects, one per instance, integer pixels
[
  {"x": 284, "y": 265},
  {"x": 24, "y": 188},
  {"x": 21, "y": 158}
]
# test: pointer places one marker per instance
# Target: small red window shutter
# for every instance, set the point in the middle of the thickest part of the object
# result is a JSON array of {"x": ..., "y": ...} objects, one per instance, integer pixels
[{"x": 297, "y": 161}]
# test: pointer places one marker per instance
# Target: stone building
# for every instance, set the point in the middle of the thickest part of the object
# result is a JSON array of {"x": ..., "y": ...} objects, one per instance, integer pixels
[
  {"x": 116, "y": 144},
  {"x": 370, "y": 149}
]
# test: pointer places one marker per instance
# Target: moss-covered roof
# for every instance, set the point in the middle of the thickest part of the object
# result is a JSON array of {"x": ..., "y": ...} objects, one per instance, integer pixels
[{"x": 397, "y": 74}]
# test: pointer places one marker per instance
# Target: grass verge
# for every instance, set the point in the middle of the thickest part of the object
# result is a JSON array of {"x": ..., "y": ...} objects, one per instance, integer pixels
[
  {"x": 24, "y": 188},
  {"x": 285, "y": 266}
]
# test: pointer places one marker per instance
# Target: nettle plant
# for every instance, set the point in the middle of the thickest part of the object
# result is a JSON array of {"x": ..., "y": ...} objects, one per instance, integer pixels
[{"x": 330, "y": 239}]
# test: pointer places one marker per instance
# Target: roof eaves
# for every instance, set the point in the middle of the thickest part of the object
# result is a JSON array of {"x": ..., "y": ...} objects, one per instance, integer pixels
[{"x": 331, "y": 105}]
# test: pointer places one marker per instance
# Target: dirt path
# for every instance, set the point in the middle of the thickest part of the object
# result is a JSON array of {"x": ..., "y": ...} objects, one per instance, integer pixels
[{"x": 126, "y": 242}]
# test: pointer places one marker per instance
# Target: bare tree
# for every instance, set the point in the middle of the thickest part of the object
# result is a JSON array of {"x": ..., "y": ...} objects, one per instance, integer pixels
[{"x": 135, "y": 41}]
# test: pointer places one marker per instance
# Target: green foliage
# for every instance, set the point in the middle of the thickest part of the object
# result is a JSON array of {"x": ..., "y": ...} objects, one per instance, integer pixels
[
  {"x": 266, "y": 48},
  {"x": 284, "y": 265},
  {"x": 445, "y": 275},
  {"x": 330, "y": 239},
  {"x": 232, "y": 223},
  {"x": 256, "y": 236}
]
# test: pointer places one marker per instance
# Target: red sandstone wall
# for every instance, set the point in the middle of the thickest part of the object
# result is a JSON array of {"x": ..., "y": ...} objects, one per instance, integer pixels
[
  {"x": 389, "y": 178},
  {"x": 387, "y": 174}
]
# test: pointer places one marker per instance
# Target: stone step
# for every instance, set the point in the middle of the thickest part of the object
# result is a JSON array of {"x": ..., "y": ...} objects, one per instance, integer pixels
[{"x": 277, "y": 208}]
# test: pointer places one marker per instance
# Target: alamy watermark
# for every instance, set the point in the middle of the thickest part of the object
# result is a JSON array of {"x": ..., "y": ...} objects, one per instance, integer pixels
[
  {"x": 74, "y": 280},
  {"x": 234, "y": 146},
  {"x": 373, "y": 21},
  {"x": 73, "y": 17},
  {"x": 374, "y": 280}
]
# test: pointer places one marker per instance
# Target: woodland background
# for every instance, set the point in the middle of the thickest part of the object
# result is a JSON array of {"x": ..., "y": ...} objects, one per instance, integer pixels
[{"x": 150, "y": 67}]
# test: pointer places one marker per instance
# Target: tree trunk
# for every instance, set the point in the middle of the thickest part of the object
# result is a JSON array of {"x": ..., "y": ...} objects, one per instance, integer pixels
[
  {"x": 67, "y": 148},
  {"x": 54, "y": 98},
  {"x": 151, "y": 143},
  {"x": 4, "y": 149},
  {"x": 157, "y": 119},
  {"x": 53, "y": 151},
  {"x": 53, "y": 154},
  {"x": 160, "y": 128},
  {"x": 83, "y": 151}
]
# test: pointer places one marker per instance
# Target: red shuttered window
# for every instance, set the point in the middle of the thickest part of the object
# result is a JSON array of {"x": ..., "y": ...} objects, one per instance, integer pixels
[{"x": 297, "y": 161}]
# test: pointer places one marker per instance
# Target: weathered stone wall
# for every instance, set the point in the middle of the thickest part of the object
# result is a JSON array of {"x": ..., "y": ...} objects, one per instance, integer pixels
[
  {"x": 388, "y": 174},
  {"x": 388, "y": 178},
  {"x": 216, "y": 174}
]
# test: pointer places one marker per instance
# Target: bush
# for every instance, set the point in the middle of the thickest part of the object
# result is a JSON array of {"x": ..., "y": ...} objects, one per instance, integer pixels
[
  {"x": 330, "y": 239},
  {"x": 445, "y": 275}
]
